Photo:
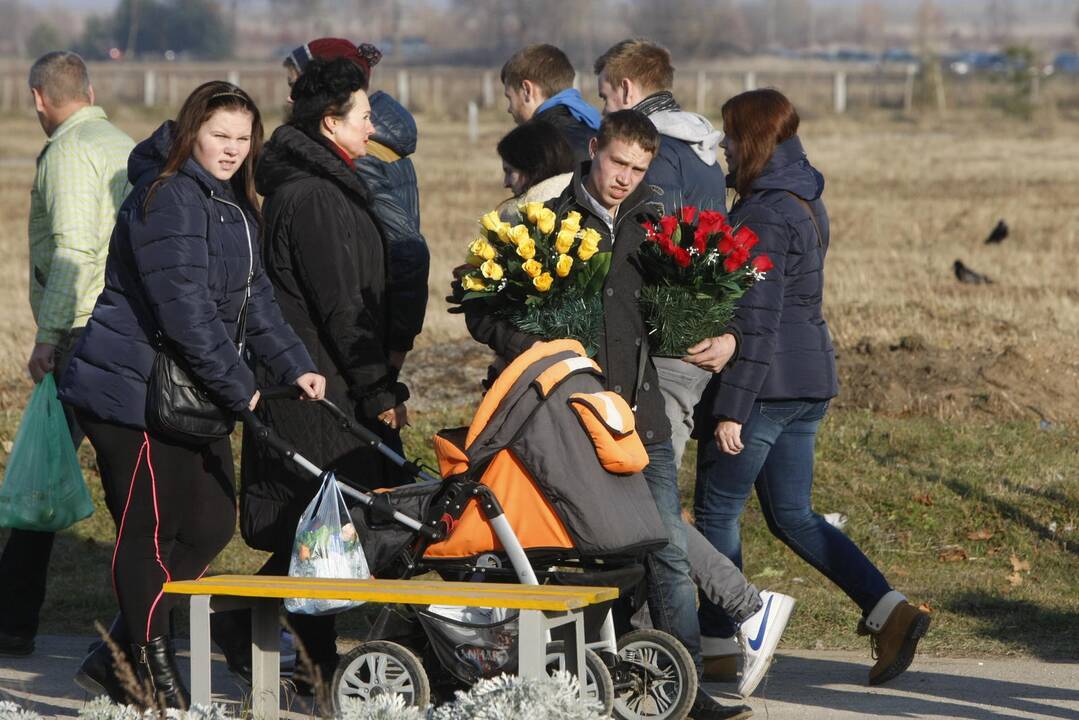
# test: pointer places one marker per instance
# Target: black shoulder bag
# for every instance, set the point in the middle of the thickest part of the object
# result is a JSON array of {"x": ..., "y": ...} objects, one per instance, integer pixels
[{"x": 177, "y": 406}]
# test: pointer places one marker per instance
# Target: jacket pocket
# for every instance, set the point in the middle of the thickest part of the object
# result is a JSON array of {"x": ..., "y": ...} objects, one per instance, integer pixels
[{"x": 608, "y": 420}]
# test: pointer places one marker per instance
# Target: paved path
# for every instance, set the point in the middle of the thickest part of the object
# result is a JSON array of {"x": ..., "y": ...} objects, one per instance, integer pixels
[{"x": 804, "y": 685}]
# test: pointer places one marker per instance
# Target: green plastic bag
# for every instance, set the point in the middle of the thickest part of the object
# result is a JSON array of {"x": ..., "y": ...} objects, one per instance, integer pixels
[{"x": 43, "y": 485}]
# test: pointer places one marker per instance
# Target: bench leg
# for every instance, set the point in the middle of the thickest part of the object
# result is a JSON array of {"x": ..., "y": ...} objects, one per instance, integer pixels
[
  {"x": 200, "y": 650},
  {"x": 533, "y": 626},
  {"x": 265, "y": 659}
]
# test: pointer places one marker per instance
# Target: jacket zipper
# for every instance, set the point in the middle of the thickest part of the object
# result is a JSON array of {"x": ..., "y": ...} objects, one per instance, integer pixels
[{"x": 250, "y": 262}]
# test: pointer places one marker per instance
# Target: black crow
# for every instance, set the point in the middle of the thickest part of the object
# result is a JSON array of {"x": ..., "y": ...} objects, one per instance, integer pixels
[
  {"x": 965, "y": 275},
  {"x": 999, "y": 233}
]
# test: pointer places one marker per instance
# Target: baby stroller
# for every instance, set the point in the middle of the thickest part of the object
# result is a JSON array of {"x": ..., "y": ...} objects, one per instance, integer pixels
[{"x": 544, "y": 486}]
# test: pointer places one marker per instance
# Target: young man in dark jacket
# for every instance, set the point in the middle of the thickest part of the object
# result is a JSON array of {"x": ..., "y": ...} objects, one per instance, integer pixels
[
  {"x": 390, "y": 177},
  {"x": 538, "y": 84},
  {"x": 612, "y": 199}
]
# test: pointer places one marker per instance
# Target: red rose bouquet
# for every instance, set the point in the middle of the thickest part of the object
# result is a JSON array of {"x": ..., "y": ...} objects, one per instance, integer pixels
[{"x": 696, "y": 267}]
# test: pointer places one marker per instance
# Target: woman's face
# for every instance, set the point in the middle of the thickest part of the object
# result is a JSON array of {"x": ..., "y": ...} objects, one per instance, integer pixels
[
  {"x": 351, "y": 132},
  {"x": 223, "y": 142},
  {"x": 514, "y": 179},
  {"x": 729, "y": 149}
]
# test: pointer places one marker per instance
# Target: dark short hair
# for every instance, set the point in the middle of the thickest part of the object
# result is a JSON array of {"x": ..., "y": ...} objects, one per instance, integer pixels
[
  {"x": 60, "y": 76},
  {"x": 544, "y": 65},
  {"x": 629, "y": 126},
  {"x": 640, "y": 61},
  {"x": 324, "y": 88},
  {"x": 536, "y": 149}
]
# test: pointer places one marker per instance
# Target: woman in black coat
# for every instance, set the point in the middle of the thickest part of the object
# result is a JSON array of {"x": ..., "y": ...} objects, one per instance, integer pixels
[
  {"x": 183, "y": 262},
  {"x": 327, "y": 262}
]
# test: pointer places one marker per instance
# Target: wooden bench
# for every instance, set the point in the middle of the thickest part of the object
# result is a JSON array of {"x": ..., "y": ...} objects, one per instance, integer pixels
[{"x": 543, "y": 609}]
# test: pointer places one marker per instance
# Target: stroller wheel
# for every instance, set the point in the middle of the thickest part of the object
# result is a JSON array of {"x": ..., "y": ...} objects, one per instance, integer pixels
[
  {"x": 657, "y": 678},
  {"x": 377, "y": 668},
  {"x": 598, "y": 685}
]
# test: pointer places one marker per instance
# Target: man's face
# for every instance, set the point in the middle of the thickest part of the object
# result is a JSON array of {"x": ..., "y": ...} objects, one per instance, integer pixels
[
  {"x": 617, "y": 170},
  {"x": 521, "y": 102}
]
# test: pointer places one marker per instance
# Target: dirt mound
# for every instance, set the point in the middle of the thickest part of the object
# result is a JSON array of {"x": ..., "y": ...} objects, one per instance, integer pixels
[
  {"x": 910, "y": 377},
  {"x": 905, "y": 377}
]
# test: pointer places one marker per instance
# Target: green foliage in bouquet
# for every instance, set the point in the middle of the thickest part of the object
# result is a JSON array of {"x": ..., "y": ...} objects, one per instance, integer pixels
[
  {"x": 543, "y": 275},
  {"x": 696, "y": 269}
]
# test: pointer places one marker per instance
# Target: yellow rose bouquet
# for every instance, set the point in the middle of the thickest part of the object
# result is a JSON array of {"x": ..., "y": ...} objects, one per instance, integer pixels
[{"x": 544, "y": 275}]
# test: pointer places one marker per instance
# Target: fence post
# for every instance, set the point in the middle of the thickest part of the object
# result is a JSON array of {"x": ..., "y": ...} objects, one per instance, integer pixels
[
  {"x": 908, "y": 90},
  {"x": 840, "y": 92},
  {"x": 149, "y": 88},
  {"x": 473, "y": 122},
  {"x": 402, "y": 87},
  {"x": 488, "y": 89},
  {"x": 751, "y": 81},
  {"x": 577, "y": 81},
  {"x": 702, "y": 90},
  {"x": 234, "y": 77}
]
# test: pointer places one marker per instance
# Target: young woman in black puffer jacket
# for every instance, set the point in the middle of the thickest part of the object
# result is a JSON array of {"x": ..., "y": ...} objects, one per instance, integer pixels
[{"x": 184, "y": 248}]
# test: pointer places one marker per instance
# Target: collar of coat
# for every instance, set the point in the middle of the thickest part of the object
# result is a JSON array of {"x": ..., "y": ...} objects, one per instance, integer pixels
[{"x": 291, "y": 145}]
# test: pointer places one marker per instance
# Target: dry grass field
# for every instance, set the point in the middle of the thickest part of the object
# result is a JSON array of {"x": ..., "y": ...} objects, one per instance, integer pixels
[{"x": 955, "y": 423}]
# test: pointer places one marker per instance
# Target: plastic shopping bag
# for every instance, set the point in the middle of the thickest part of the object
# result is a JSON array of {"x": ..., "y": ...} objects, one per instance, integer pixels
[
  {"x": 326, "y": 546},
  {"x": 43, "y": 485}
]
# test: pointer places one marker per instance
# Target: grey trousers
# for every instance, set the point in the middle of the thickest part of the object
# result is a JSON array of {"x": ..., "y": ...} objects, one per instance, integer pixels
[
  {"x": 682, "y": 385},
  {"x": 716, "y": 577}
]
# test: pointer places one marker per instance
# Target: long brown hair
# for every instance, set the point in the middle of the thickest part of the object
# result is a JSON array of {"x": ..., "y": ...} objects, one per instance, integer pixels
[
  {"x": 200, "y": 105},
  {"x": 757, "y": 121}
]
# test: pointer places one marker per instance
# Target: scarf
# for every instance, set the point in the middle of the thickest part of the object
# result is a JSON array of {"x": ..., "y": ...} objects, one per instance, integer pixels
[{"x": 662, "y": 100}]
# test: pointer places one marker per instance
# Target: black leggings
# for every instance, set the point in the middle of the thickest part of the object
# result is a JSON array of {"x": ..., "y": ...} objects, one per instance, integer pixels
[{"x": 175, "y": 509}]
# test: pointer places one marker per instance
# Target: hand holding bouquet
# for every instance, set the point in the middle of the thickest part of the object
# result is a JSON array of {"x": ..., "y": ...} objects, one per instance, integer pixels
[
  {"x": 696, "y": 267},
  {"x": 543, "y": 275}
]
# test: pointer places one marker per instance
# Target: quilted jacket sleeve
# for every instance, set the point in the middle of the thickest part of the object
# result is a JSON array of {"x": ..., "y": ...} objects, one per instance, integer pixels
[
  {"x": 169, "y": 244},
  {"x": 756, "y": 319},
  {"x": 394, "y": 205}
]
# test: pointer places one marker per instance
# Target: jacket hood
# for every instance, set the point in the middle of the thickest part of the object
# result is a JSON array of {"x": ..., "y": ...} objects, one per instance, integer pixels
[
  {"x": 394, "y": 125},
  {"x": 290, "y": 155},
  {"x": 789, "y": 170},
  {"x": 150, "y": 154},
  {"x": 692, "y": 128}
]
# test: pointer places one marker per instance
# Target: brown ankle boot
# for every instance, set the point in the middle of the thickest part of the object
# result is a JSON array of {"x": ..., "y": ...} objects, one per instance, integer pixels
[{"x": 894, "y": 644}]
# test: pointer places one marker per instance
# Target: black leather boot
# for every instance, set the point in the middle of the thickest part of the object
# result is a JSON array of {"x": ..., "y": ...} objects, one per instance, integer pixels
[
  {"x": 157, "y": 664},
  {"x": 97, "y": 674}
]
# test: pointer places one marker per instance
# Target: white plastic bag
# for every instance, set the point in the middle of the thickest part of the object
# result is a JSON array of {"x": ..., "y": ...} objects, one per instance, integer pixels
[{"x": 326, "y": 546}]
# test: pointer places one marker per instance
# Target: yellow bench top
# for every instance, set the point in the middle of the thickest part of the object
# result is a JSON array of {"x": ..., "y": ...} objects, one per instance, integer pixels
[{"x": 409, "y": 592}]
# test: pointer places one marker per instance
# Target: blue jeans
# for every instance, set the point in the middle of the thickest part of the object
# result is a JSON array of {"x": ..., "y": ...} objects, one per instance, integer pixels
[
  {"x": 672, "y": 595},
  {"x": 777, "y": 458}
]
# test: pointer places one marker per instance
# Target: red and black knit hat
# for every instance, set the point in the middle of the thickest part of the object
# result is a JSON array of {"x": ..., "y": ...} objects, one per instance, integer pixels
[{"x": 366, "y": 56}]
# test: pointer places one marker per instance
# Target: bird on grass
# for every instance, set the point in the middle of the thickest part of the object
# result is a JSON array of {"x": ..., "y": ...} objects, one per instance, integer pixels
[
  {"x": 998, "y": 233},
  {"x": 965, "y": 275}
]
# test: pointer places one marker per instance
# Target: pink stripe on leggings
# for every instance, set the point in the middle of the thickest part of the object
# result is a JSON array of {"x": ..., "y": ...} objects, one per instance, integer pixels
[
  {"x": 157, "y": 529},
  {"x": 123, "y": 517}
]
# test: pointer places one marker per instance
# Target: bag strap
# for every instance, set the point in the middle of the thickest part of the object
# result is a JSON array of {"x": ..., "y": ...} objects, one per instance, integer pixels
[{"x": 812, "y": 216}]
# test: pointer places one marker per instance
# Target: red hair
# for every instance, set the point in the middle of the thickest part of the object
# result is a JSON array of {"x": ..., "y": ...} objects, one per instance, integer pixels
[{"x": 757, "y": 121}]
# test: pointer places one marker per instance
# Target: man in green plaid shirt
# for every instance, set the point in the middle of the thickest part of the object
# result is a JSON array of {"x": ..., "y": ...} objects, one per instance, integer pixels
[{"x": 80, "y": 183}]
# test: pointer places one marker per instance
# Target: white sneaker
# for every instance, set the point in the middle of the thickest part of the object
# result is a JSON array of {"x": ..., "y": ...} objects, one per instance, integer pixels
[{"x": 760, "y": 635}]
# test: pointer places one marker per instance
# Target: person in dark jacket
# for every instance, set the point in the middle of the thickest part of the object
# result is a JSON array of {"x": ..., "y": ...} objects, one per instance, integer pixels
[
  {"x": 758, "y": 420},
  {"x": 327, "y": 261},
  {"x": 183, "y": 261},
  {"x": 639, "y": 74},
  {"x": 612, "y": 199},
  {"x": 390, "y": 177},
  {"x": 538, "y": 85}
]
